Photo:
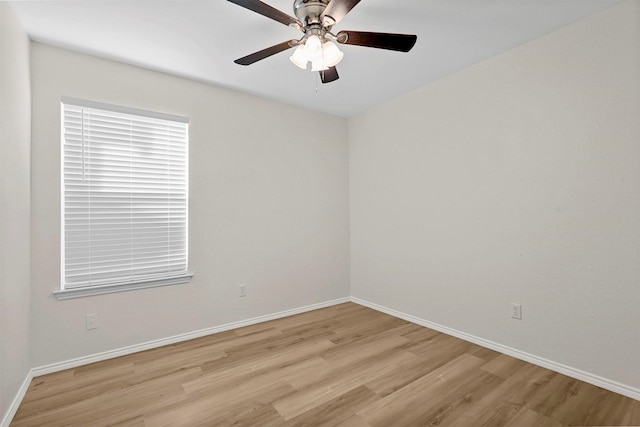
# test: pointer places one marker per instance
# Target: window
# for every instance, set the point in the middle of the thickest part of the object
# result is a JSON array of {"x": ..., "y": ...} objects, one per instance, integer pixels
[{"x": 124, "y": 199}]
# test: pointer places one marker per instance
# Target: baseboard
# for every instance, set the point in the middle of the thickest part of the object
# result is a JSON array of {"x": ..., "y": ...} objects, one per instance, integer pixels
[
  {"x": 13, "y": 408},
  {"x": 85, "y": 360},
  {"x": 578, "y": 374}
]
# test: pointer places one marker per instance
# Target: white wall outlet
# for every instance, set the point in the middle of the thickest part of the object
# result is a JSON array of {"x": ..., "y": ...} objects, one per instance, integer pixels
[
  {"x": 243, "y": 291},
  {"x": 92, "y": 321},
  {"x": 516, "y": 311}
]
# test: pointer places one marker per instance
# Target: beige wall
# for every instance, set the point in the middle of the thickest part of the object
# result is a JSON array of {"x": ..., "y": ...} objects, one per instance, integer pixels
[
  {"x": 268, "y": 208},
  {"x": 15, "y": 257},
  {"x": 515, "y": 180}
]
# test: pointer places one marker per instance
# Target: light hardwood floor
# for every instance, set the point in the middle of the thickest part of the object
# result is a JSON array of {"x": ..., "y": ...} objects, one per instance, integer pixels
[{"x": 344, "y": 365}]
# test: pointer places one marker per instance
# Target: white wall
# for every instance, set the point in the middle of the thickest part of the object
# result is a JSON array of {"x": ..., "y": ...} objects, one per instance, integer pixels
[
  {"x": 268, "y": 208},
  {"x": 515, "y": 180},
  {"x": 15, "y": 258}
]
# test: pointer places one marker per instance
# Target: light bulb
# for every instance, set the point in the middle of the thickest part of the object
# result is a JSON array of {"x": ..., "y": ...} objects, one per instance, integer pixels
[
  {"x": 299, "y": 58},
  {"x": 331, "y": 53},
  {"x": 313, "y": 48}
]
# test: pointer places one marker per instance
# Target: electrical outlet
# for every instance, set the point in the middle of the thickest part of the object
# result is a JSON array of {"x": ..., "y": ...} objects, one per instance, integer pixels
[
  {"x": 92, "y": 321},
  {"x": 243, "y": 291},
  {"x": 516, "y": 311}
]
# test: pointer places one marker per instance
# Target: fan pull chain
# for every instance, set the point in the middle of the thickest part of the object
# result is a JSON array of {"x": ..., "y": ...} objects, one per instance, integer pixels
[{"x": 317, "y": 74}]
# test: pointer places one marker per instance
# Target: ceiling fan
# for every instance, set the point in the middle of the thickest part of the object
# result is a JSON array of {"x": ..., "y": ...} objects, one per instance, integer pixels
[{"x": 317, "y": 46}]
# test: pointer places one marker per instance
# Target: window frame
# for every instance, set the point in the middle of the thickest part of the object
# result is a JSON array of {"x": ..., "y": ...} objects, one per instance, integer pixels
[{"x": 116, "y": 285}]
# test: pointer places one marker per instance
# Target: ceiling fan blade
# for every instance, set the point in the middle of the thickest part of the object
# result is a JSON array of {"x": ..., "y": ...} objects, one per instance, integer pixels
[
  {"x": 268, "y": 11},
  {"x": 389, "y": 41},
  {"x": 330, "y": 75},
  {"x": 264, "y": 53},
  {"x": 337, "y": 9}
]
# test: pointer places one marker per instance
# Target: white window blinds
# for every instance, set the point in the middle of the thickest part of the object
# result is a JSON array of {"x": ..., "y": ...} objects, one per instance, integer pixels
[{"x": 125, "y": 178}]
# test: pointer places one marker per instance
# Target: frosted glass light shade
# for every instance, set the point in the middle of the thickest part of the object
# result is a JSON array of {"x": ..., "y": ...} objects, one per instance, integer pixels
[
  {"x": 319, "y": 65},
  {"x": 299, "y": 58},
  {"x": 313, "y": 48},
  {"x": 331, "y": 53}
]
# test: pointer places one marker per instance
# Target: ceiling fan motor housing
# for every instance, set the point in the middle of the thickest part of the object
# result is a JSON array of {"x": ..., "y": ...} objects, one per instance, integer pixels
[{"x": 309, "y": 11}]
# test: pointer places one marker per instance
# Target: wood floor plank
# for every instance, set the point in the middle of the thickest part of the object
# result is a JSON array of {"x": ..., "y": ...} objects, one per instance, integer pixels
[
  {"x": 353, "y": 421},
  {"x": 220, "y": 382},
  {"x": 460, "y": 398},
  {"x": 500, "y": 405},
  {"x": 357, "y": 350},
  {"x": 403, "y": 375},
  {"x": 630, "y": 412},
  {"x": 528, "y": 417},
  {"x": 371, "y": 329},
  {"x": 167, "y": 364},
  {"x": 242, "y": 402},
  {"x": 337, "y": 410},
  {"x": 51, "y": 390},
  {"x": 344, "y": 365},
  {"x": 407, "y": 406},
  {"x": 503, "y": 366},
  {"x": 484, "y": 353},
  {"x": 582, "y": 404},
  {"x": 115, "y": 406},
  {"x": 134, "y": 422},
  {"x": 338, "y": 381},
  {"x": 441, "y": 346}
]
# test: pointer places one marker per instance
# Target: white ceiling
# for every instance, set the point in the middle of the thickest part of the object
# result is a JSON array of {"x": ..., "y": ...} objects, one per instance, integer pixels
[{"x": 200, "y": 39}]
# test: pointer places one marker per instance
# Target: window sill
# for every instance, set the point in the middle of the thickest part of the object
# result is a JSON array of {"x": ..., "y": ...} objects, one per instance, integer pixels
[{"x": 88, "y": 291}]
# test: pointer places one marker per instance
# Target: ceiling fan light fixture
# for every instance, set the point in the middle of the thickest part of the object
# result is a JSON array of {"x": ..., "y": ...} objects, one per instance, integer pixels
[
  {"x": 315, "y": 19},
  {"x": 331, "y": 54},
  {"x": 299, "y": 58}
]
